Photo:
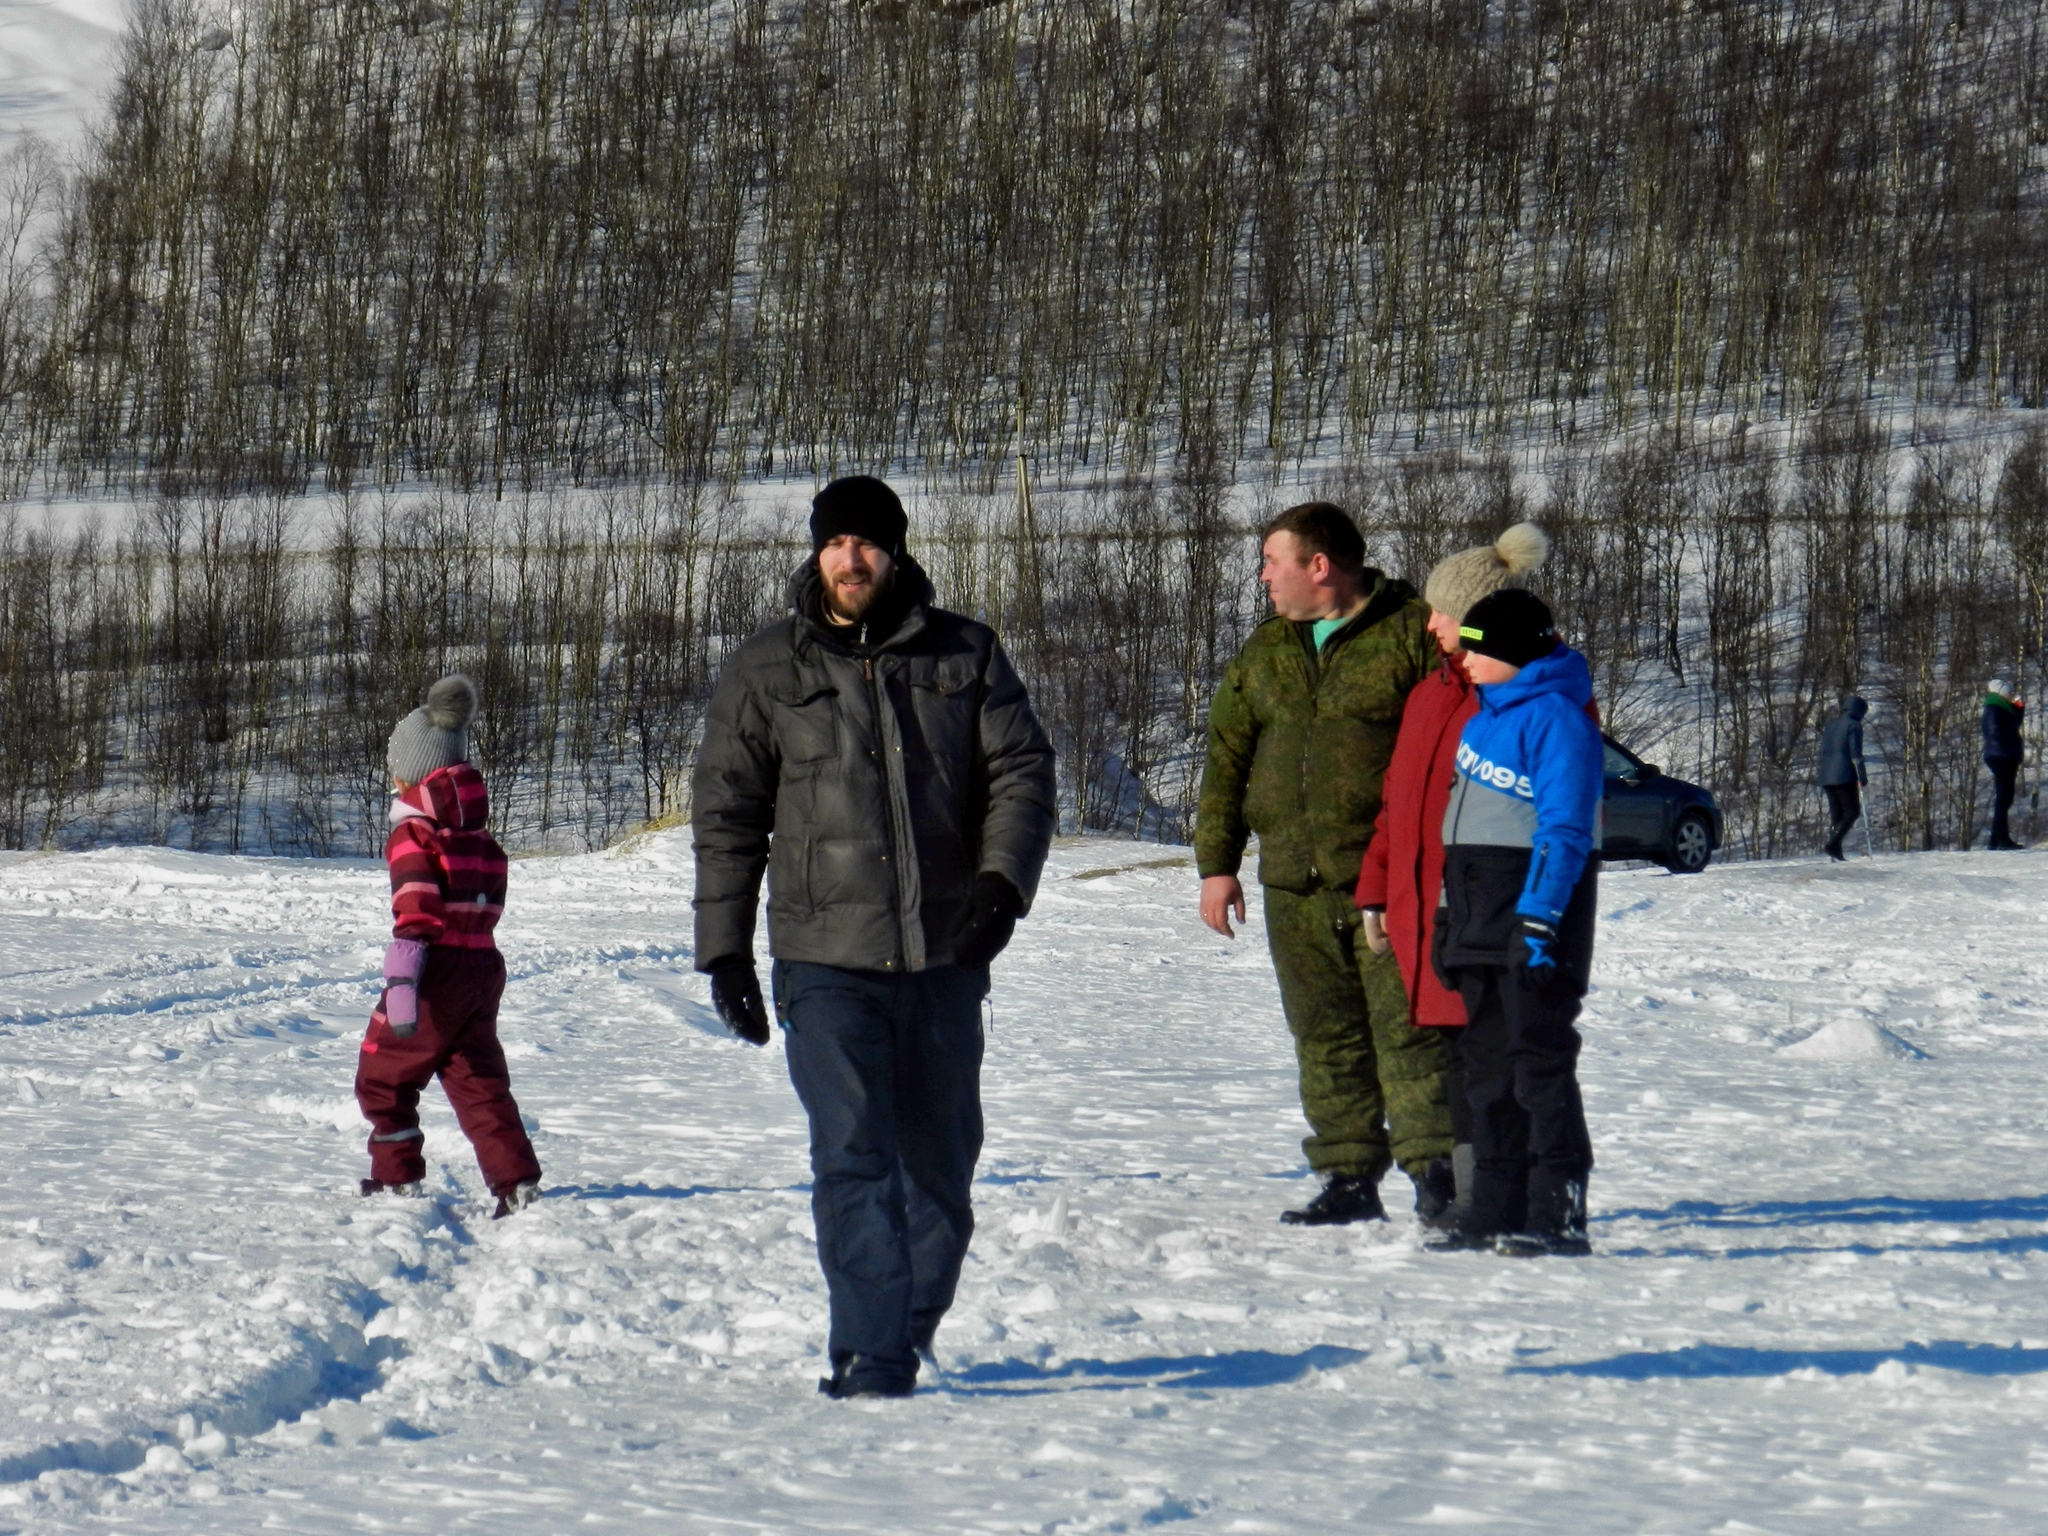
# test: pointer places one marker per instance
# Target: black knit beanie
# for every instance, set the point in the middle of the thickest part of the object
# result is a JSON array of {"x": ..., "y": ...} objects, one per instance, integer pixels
[
  {"x": 862, "y": 506},
  {"x": 1510, "y": 625}
]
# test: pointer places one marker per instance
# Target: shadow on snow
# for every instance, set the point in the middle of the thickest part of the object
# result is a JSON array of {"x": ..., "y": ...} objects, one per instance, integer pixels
[
  {"x": 1760, "y": 1216},
  {"x": 1711, "y": 1360},
  {"x": 1877, "y": 1209},
  {"x": 1230, "y": 1370},
  {"x": 658, "y": 1191}
]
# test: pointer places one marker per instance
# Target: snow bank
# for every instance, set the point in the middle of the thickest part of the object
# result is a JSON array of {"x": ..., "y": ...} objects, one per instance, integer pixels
[{"x": 1852, "y": 1040}]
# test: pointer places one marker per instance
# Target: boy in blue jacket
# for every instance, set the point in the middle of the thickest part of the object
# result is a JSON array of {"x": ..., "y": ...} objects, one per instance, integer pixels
[{"x": 1515, "y": 933}]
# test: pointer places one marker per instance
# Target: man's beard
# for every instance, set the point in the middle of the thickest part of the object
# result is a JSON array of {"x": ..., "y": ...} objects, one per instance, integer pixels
[{"x": 856, "y": 603}]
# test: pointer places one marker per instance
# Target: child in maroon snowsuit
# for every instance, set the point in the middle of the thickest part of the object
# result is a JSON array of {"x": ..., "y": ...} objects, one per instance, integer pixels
[{"x": 443, "y": 974}]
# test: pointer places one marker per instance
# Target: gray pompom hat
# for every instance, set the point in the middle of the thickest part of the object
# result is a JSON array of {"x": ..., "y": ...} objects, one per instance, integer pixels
[
  {"x": 1462, "y": 579},
  {"x": 436, "y": 735}
]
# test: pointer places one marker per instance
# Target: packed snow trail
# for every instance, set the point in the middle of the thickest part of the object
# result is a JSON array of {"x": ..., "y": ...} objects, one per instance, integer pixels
[{"x": 1816, "y": 1302}]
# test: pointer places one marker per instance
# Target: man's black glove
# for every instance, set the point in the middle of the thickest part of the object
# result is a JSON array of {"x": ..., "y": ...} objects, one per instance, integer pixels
[
  {"x": 991, "y": 917},
  {"x": 736, "y": 994}
]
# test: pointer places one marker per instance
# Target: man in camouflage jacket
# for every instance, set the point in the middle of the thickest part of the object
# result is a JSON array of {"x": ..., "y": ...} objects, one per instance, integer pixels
[{"x": 1300, "y": 734}]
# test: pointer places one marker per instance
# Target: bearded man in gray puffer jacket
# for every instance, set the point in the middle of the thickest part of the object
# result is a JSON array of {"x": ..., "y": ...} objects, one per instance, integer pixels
[{"x": 877, "y": 757}]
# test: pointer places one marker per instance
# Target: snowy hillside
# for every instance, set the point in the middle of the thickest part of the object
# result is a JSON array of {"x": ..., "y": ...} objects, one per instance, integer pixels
[
  {"x": 57, "y": 61},
  {"x": 1817, "y": 1302}
]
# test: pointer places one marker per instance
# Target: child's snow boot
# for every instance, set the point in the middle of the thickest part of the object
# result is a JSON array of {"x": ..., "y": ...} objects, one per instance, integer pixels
[
  {"x": 1557, "y": 1220},
  {"x": 516, "y": 1199},
  {"x": 414, "y": 1190},
  {"x": 1436, "y": 1191},
  {"x": 1465, "y": 1169},
  {"x": 1490, "y": 1201},
  {"x": 1348, "y": 1197}
]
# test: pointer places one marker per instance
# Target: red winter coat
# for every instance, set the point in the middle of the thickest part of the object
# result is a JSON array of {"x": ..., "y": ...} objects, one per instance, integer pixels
[
  {"x": 447, "y": 872},
  {"x": 1403, "y": 870}
]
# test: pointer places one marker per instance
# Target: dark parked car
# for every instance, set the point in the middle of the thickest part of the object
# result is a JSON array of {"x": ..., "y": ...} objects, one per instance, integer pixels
[{"x": 1651, "y": 815}]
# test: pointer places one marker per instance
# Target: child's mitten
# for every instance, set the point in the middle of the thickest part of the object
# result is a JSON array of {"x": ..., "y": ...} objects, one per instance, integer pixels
[{"x": 404, "y": 959}]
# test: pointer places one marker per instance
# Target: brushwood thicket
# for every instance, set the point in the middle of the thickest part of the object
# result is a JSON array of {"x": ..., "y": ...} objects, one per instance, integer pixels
[{"x": 536, "y": 296}]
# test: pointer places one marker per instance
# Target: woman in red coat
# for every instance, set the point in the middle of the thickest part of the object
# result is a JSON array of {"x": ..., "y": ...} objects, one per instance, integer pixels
[{"x": 1401, "y": 881}]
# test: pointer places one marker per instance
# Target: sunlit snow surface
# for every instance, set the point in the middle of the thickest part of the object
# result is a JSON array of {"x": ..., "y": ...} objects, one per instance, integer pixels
[
  {"x": 57, "y": 60},
  {"x": 1817, "y": 1302}
]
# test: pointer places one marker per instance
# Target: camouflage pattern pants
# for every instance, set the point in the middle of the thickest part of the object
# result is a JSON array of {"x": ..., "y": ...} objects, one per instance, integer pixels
[{"x": 1372, "y": 1084}]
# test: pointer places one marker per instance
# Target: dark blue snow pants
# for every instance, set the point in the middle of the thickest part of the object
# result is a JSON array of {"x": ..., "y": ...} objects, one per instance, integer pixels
[{"x": 889, "y": 1070}]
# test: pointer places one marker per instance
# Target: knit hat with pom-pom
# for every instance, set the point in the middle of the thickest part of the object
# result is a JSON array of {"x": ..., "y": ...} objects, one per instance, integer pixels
[
  {"x": 436, "y": 735},
  {"x": 1462, "y": 579}
]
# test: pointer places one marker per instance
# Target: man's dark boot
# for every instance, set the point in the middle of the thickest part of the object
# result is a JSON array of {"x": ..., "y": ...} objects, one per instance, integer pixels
[
  {"x": 1436, "y": 1191},
  {"x": 869, "y": 1376},
  {"x": 1348, "y": 1197},
  {"x": 922, "y": 1334},
  {"x": 1557, "y": 1219}
]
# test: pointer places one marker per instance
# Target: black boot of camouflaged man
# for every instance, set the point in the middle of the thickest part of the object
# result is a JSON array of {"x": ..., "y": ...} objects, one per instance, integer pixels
[{"x": 1348, "y": 1197}]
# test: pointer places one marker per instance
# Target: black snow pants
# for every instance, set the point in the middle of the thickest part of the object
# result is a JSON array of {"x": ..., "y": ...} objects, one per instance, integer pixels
[
  {"x": 1845, "y": 809},
  {"x": 2005, "y": 775},
  {"x": 1521, "y": 1054},
  {"x": 889, "y": 1071}
]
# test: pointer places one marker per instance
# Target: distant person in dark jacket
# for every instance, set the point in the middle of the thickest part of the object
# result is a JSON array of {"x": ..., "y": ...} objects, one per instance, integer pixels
[
  {"x": 877, "y": 758},
  {"x": 1842, "y": 773},
  {"x": 2003, "y": 715}
]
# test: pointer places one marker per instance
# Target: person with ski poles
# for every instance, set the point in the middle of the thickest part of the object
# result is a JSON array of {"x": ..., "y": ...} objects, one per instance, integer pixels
[{"x": 1842, "y": 771}]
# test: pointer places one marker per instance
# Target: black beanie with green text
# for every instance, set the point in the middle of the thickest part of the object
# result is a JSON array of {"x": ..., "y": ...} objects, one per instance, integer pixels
[{"x": 1510, "y": 625}]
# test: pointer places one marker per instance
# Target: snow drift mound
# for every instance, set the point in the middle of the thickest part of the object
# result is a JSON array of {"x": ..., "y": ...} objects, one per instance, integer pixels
[{"x": 1852, "y": 1040}]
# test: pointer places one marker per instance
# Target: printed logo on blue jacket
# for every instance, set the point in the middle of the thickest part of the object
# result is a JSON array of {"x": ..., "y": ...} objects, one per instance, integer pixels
[{"x": 1487, "y": 771}]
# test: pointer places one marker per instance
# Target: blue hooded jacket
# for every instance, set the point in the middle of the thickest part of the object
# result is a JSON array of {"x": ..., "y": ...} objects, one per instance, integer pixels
[{"x": 1529, "y": 776}]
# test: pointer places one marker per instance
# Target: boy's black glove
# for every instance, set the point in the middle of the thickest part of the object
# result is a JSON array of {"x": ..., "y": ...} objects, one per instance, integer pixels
[
  {"x": 1539, "y": 945},
  {"x": 991, "y": 917},
  {"x": 1538, "y": 960},
  {"x": 736, "y": 994}
]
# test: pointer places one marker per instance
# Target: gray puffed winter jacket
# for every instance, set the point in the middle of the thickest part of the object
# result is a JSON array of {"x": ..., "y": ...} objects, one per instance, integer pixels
[{"x": 872, "y": 777}]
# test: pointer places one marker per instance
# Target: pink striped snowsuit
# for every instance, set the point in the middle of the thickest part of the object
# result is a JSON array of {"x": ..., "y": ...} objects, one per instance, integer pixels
[{"x": 448, "y": 891}]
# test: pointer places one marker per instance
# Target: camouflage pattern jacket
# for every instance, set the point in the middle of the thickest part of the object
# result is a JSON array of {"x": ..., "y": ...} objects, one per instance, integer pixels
[{"x": 1298, "y": 743}]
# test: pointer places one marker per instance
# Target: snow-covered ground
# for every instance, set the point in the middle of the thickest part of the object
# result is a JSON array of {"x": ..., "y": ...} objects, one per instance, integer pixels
[{"x": 1817, "y": 1302}]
